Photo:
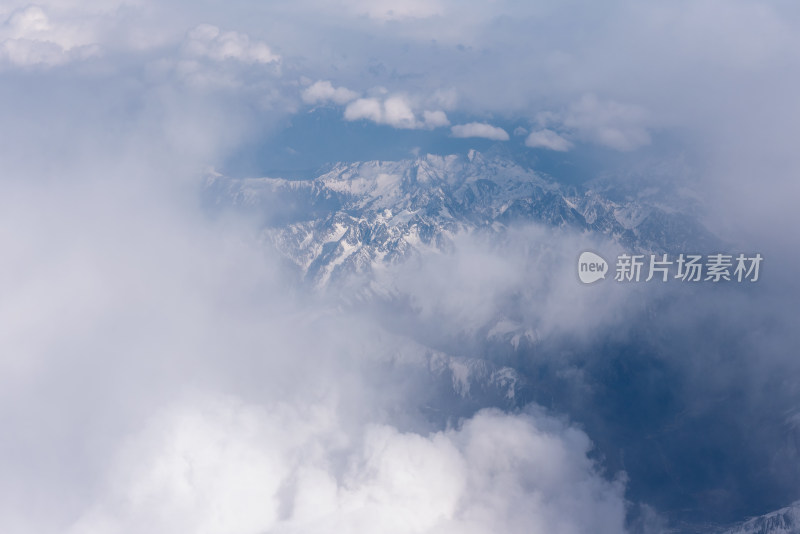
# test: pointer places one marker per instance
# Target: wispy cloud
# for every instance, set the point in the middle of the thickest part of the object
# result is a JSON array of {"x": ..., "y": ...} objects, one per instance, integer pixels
[
  {"x": 209, "y": 41},
  {"x": 479, "y": 129},
  {"x": 609, "y": 123},
  {"x": 30, "y": 37},
  {"x": 324, "y": 91},
  {"x": 547, "y": 139}
]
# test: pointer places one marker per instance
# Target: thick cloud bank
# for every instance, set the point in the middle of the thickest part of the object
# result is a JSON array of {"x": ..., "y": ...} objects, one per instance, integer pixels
[{"x": 221, "y": 466}]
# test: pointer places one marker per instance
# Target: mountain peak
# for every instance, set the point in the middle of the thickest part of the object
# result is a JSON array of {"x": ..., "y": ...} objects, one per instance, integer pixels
[{"x": 357, "y": 216}]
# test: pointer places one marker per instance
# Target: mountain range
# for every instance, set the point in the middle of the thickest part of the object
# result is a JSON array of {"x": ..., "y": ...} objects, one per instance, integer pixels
[
  {"x": 355, "y": 217},
  {"x": 351, "y": 221}
]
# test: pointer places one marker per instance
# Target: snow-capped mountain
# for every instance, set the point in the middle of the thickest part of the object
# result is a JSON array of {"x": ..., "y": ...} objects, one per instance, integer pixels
[
  {"x": 356, "y": 217},
  {"x": 783, "y": 521}
]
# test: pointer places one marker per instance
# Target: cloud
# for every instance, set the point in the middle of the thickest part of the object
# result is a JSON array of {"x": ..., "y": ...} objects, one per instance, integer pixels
[
  {"x": 30, "y": 37},
  {"x": 116, "y": 287},
  {"x": 479, "y": 129},
  {"x": 446, "y": 99},
  {"x": 365, "y": 108},
  {"x": 608, "y": 123},
  {"x": 435, "y": 119},
  {"x": 233, "y": 62},
  {"x": 220, "y": 465},
  {"x": 208, "y": 41},
  {"x": 394, "y": 111},
  {"x": 397, "y": 112},
  {"x": 547, "y": 139},
  {"x": 323, "y": 91},
  {"x": 471, "y": 289},
  {"x": 230, "y": 401}
]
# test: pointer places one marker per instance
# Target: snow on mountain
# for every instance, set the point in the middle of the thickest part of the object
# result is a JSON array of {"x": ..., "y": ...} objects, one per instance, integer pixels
[
  {"x": 358, "y": 217},
  {"x": 783, "y": 521}
]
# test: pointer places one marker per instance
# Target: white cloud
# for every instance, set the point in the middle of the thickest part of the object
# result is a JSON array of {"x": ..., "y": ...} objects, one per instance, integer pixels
[
  {"x": 467, "y": 289},
  {"x": 212, "y": 60},
  {"x": 612, "y": 124},
  {"x": 365, "y": 108},
  {"x": 479, "y": 129},
  {"x": 208, "y": 41},
  {"x": 127, "y": 297},
  {"x": 26, "y": 22},
  {"x": 222, "y": 466},
  {"x": 446, "y": 99},
  {"x": 30, "y": 37},
  {"x": 604, "y": 122},
  {"x": 395, "y": 111},
  {"x": 435, "y": 119},
  {"x": 547, "y": 139},
  {"x": 323, "y": 91}
]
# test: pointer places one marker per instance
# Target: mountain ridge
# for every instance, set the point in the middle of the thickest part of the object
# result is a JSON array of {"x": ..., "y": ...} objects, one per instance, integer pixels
[{"x": 359, "y": 216}]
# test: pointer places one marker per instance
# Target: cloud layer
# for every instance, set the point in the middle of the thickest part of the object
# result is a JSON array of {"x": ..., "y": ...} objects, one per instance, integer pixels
[{"x": 156, "y": 363}]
